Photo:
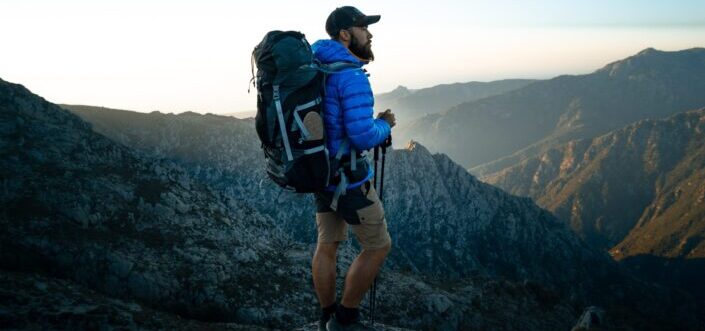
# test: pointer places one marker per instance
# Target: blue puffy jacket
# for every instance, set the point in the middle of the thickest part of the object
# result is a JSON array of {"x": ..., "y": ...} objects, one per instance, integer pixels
[{"x": 348, "y": 105}]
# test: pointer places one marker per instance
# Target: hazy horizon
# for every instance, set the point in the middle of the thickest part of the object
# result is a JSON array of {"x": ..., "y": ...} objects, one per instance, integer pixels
[{"x": 176, "y": 57}]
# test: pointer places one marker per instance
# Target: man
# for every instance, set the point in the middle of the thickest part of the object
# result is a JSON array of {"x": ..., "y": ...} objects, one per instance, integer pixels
[{"x": 350, "y": 129}]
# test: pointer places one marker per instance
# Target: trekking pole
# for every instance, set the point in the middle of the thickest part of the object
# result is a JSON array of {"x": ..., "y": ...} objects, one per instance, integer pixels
[
  {"x": 386, "y": 143},
  {"x": 376, "y": 158},
  {"x": 373, "y": 293}
]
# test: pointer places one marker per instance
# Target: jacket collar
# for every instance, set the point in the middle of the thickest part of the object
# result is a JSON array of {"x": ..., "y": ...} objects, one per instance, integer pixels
[{"x": 329, "y": 51}]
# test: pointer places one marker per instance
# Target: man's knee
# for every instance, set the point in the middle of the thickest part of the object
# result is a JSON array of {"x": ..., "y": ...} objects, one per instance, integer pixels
[
  {"x": 382, "y": 251},
  {"x": 327, "y": 249}
]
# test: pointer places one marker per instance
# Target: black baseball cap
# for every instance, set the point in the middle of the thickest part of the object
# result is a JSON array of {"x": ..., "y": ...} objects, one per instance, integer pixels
[{"x": 347, "y": 17}]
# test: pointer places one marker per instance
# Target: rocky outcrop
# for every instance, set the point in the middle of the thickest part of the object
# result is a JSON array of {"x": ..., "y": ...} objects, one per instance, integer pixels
[
  {"x": 593, "y": 318},
  {"x": 448, "y": 223}
]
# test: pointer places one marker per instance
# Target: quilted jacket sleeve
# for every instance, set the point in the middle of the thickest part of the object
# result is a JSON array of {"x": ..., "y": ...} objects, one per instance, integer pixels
[{"x": 364, "y": 131}]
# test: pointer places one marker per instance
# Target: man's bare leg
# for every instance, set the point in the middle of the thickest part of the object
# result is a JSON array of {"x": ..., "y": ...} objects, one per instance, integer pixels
[
  {"x": 361, "y": 274},
  {"x": 323, "y": 271}
]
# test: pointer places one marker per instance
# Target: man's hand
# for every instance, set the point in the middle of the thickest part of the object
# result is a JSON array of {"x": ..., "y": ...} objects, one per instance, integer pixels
[{"x": 388, "y": 116}]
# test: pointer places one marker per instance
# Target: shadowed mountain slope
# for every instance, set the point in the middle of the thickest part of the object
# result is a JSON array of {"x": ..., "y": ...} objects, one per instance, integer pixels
[{"x": 642, "y": 184}]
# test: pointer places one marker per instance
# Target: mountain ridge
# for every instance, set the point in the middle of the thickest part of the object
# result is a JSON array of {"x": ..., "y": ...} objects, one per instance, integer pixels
[
  {"x": 551, "y": 112},
  {"x": 651, "y": 151},
  {"x": 409, "y": 104}
]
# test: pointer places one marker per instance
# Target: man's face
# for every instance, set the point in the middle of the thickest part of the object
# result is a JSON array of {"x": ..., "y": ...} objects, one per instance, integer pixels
[{"x": 361, "y": 43}]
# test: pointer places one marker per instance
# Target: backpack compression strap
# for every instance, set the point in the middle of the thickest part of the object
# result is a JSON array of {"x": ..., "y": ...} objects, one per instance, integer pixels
[{"x": 282, "y": 125}]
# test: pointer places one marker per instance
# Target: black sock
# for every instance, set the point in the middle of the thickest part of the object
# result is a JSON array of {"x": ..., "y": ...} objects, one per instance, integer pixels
[
  {"x": 327, "y": 312},
  {"x": 346, "y": 315}
]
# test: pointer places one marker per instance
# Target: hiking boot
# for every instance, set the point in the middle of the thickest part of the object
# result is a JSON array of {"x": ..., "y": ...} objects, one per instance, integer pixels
[
  {"x": 322, "y": 325},
  {"x": 333, "y": 325}
]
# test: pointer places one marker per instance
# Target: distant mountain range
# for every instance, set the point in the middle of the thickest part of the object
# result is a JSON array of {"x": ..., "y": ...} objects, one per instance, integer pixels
[
  {"x": 508, "y": 128},
  {"x": 411, "y": 104},
  {"x": 241, "y": 114}
]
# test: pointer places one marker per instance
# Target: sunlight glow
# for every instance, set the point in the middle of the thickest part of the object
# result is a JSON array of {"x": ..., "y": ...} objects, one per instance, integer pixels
[{"x": 179, "y": 56}]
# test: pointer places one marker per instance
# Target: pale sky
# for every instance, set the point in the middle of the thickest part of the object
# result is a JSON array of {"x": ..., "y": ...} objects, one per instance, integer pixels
[{"x": 176, "y": 56}]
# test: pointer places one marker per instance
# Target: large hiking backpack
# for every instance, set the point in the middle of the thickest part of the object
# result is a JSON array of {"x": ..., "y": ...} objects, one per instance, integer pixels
[{"x": 290, "y": 85}]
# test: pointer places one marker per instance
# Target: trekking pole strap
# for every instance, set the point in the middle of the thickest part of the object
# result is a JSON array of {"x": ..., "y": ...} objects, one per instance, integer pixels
[{"x": 339, "y": 190}]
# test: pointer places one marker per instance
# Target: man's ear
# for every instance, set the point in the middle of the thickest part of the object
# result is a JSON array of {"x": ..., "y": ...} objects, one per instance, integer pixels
[{"x": 344, "y": 35}]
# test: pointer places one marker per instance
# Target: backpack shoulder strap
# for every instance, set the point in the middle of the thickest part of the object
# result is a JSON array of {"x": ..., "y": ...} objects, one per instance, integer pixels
[{"x": 336, "y": 67}]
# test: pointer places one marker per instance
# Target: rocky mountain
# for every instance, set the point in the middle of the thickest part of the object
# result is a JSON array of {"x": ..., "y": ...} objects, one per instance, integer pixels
[
  {"x": 220, "y": 150},
  {"x": 77, "y": 206},
  {"x": 411, "y": 104},
  {"x": 447, "y": 226},
  {"x": 102, "y": 232},
  {"x": 530, "y": 120},
  {"x": 96, "y": 235},
  {"x": 642, "y": 184},
  {"x": 638, "y": 191},
  {"x": 103, "y": 235}
]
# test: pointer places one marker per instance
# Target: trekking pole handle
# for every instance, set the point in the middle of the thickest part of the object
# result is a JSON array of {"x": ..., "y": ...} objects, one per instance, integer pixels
[{"x": 387, "y": 143}]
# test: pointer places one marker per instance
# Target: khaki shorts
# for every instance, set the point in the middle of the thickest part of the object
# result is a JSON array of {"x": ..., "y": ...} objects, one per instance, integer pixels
[{"x": 361, "y": 209}]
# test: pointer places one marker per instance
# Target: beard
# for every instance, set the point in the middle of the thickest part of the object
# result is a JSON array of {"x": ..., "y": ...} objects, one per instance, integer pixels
[{"x": 362, "y": 51}]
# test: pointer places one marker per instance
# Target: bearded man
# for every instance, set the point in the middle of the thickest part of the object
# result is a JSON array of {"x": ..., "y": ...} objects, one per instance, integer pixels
[{"x": 350, "y": 130}]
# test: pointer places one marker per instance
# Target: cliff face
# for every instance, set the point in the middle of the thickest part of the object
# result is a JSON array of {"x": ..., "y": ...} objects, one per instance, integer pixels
[
  {"x": 451, "y": 224},
  {"x": 639, "y": 188}
]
